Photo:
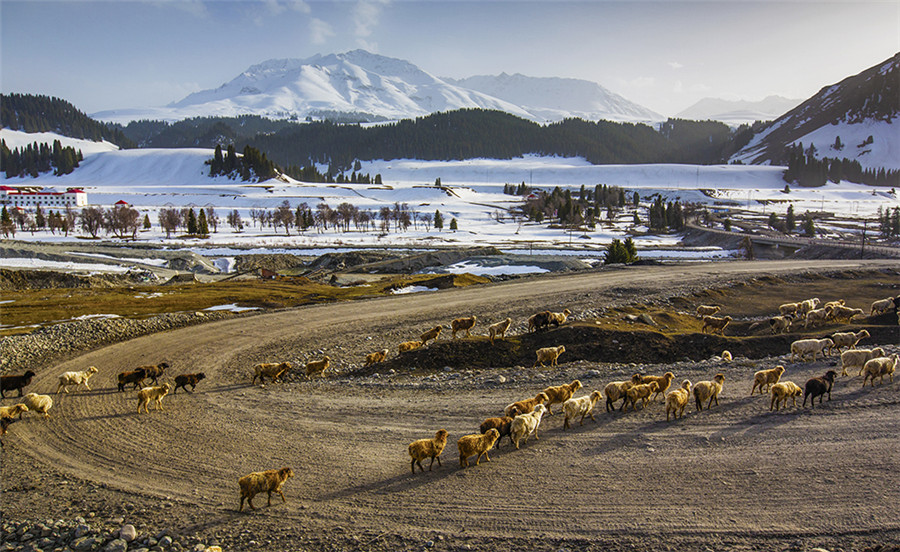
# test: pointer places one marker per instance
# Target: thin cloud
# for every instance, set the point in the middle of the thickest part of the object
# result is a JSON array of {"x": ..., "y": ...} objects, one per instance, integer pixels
[
  {"x": 320, "y": 31},
  {"x": 366, "y": 16},
  {"x": 277, "y": 7},
  {"x": 675, "y": 65}
]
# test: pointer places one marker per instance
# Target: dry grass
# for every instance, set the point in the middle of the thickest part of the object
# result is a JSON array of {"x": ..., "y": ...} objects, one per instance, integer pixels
[{"x": 34, "y": 308}]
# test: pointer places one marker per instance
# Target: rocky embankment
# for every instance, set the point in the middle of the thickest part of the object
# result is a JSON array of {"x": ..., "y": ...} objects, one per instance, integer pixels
[
  {"x": 36, "y": 350},
  {"x": 78, "y": 535}
]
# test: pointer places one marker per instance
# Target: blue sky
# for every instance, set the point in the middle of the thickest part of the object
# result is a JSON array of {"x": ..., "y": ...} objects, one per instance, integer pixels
[{"x": 664, "y": 55}]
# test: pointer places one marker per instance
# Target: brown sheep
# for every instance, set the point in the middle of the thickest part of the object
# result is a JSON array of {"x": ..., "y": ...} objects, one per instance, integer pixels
[
  {"x": 817, "y": 315},
  {"x": 641, "y": 391},
  {"x": 726, "y": 356},
  {"x": 427, "y": 448},
  {"x": 317, "y": 367},
  {"x": 155, "y": 394},
  {"x": 583, "y": 406},
  {"x": 376, "y": 357},
  {"x": 13, "y": 411},
  {"x": 407, "y": 346},
  {"x": 433, "y": 333},
  {"x": 154, "y": 371},
  {"x": 707, "y": 310},
  {"x": 183, "y": 380},
  {"x": 780, "y": 393},
  {"x": 818, "y": 387},
  {"x": 676, "y": 400},
  {"x": 8, "y": 383},
  {"x": 477, "y": 443},
  {"x": 499, "y": 329},
  {"x": 38, "y": 403},
  {"x": 715, "y": 324},
  {"x": 789, "y": 308},
  {"x": 808, "y": 305},
  {"x": 781, "y": 324},
  {"x": 766, "y": 378},
  {"x": 662, "y": 382},
  {"x": 880, "y": 367},
  {"x": 709, "y": 390},
  {"x": 548, "y": 354},
  {"x": 559, "y": 394},
  {"x": 134, "y": 377},
  {"x": 539, "y": 321},
  {"x": 269, "y": 481},
  {"x": 462, "y": 324},
  {"x": 526, "y": 406},
  {"x": 503, "y": 424},
  {"x": 846, "y": 313},
  {"x": 5, "y": 423},
  {"x": 273, "y": 370},
  {"x": 614, "y": 391}
]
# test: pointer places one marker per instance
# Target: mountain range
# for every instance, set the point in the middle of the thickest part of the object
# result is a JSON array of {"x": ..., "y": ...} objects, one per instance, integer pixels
[
  {"x": 739, "y": 112},
  {"x": 359, "y": 86}
]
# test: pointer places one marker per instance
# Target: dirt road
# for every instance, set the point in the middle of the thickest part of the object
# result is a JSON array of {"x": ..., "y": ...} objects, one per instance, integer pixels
[{"x": 735, "y": 477}]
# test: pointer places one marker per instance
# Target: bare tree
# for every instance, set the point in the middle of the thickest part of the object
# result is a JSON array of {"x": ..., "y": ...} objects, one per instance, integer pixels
[
  {"x": 122, "y": 220},
  {"x": 169, "y": 220},
  {"x": 212, "y": 219},
  {"x": 386, "y": 216},
  {"x": 92, "y": 220},
  {"x": 234, "y": 220},
  {"x": 426, "y": 218},
  {"x": 283, "y": 216}
]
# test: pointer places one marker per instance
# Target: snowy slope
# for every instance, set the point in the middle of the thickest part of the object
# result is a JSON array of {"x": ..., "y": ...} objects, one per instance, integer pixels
[
  {"x": 867, "y": 104},
  {"x": 739, "y": 112},
  {"x": 18, "y": 139},
  {"x": 554, "y": 99},
  {"x": 371, "y": 87}
]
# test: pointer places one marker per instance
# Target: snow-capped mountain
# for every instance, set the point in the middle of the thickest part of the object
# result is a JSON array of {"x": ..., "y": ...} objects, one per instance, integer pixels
[
  {"x": 739, "y": 112},
  {"x": 554, "y": 99},
  {"x": 362, "y": 86},
  {"x": 862, "y": 111}
]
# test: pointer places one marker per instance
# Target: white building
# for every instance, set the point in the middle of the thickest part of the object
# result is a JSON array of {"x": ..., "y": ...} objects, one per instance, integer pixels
[{"x": 47, "y": 198}]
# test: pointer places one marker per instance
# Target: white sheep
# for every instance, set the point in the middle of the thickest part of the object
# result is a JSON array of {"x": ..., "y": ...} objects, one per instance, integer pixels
[
  {"x": 808, "y": 305},
  {"x": 780, "y": 393},
  {"x": 155, "y": 394},
  {"x": 38, "y": 403},
  {"x": 880, "y": 367},
  {"x": 13, "y": 410},
  {"x": 841, "y": 312},
  {"x": 707, "y": 310},
  {"x": 881, "y": 306},
  {"x": 580, "y": 406},
  {"x": 858, "y": 359},
  {"x": 789, "y": 308},
  {"x": 848, "y": 339},
  {"x": 803, "y": 347},
  {"x": 677, "y": 399},
  {"x": 709, "y": 390},
  {"x": 75, "y": 378},
  {"x": 499, "y": 329},
  {"x": 816, "y": 316},
  {"x": 548, "y": 354},
  {"x": 524, "y": 425}
]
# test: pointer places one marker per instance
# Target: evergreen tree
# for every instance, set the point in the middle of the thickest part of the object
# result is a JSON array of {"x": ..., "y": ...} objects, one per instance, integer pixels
[
  {"x": 39, "y": 220},
  {"x": 635, "y": 200},
  {"x": 809, "y": 225},
  {"x": 147, "y": 224},
  {"x": 790, "y": 220},
  {"x": 453, "y": 225},
  {"x": 6, "y": 224},
  {"x": 217, "y": 166},
  {"x": 192, "y": 228},
  {"x": 202, "y": 225},
  {"x": 438, "y": 220},
  {"x": 727, "y": 225}
]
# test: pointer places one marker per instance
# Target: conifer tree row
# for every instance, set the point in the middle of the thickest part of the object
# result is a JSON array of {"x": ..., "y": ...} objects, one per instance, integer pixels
[
  {"x": 33, "y": 113},
  {"x": 36, "y": 158}
]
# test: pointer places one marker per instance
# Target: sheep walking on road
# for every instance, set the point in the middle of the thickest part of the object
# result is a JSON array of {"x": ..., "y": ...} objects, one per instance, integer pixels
[{"x": 269, "y": 481}]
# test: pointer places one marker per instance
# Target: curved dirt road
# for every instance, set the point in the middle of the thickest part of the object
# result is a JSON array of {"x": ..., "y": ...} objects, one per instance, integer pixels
[{"x": 736, "y": 476}]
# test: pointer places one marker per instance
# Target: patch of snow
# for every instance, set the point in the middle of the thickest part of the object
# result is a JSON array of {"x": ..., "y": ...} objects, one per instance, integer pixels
[
  {"x": 411, "y": 289},
  {"x": 233, "y": 307}
]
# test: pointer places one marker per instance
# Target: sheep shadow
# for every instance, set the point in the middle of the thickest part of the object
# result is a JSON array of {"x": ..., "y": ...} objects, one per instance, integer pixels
[{"x": 401, "y": 482}]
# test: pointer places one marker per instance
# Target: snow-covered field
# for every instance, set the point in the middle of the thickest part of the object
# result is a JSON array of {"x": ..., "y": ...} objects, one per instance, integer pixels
[{"x": 472, "y": 193}]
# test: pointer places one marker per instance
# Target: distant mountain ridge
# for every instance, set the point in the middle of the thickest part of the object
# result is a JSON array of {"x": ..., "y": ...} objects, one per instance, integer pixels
[
  {"x": 739, "y": 112},
  {"x": 359, "y": 86},
  {"x": 856, "y": 119}
]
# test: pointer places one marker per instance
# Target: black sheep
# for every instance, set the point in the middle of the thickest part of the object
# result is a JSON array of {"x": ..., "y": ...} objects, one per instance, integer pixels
[{"x": 818, "y": 387}]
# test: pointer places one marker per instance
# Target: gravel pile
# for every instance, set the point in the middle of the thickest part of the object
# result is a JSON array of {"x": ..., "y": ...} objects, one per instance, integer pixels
[
  {"x": 36, "y": 350},
  {"x": 77, "y": 535}
]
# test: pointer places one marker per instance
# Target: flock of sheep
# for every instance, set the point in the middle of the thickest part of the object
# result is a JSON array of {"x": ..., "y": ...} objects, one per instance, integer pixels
[{"x": 521, "y": 419}]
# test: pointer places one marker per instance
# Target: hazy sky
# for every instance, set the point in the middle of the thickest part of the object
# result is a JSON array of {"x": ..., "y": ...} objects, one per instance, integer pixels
[{"x": 665, "y": 55}]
